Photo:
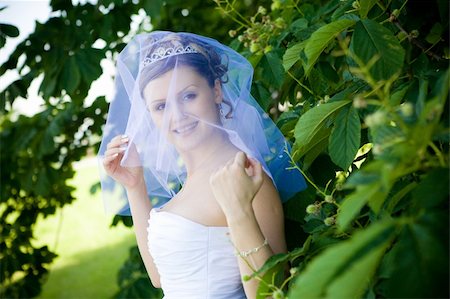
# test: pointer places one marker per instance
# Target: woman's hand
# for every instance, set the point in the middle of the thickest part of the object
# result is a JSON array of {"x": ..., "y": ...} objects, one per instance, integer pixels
[
  {"x": 236, "y": 184},
  {"x": 129, "y": 177}
]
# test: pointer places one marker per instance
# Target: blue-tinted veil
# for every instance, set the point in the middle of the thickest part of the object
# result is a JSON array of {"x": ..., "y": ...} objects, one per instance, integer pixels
[{"x": 153, "y": 87}]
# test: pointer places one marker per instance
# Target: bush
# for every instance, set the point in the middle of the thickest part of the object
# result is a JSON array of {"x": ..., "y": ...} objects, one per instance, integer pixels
[{"x": 361, "y": 87}]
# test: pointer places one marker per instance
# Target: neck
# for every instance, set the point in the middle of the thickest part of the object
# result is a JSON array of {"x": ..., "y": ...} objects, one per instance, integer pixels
[{"x": 207, "y": 157}]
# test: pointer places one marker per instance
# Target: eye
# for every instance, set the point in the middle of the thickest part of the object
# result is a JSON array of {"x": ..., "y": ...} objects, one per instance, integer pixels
[
  {"x": 189, "y": 96},
  {"x": 159, "y": 107}
]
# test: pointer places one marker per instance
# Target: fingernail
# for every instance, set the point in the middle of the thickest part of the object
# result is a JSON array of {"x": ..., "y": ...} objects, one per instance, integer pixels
[
  {"x": 124, "y": 137},
  {"x": 115, "y": 155}
]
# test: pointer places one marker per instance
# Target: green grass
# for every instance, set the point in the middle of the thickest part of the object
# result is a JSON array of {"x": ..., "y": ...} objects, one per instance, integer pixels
[{"x": 90, "y": 252}]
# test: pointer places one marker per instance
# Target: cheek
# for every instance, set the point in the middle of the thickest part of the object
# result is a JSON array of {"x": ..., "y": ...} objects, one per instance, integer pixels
[
  {"x": 156, "y": 118},
  {"x": 204, "y": 108}
]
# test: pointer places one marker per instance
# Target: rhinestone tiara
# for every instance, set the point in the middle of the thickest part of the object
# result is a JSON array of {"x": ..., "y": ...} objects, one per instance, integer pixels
[{"x": 162, "y": 53}]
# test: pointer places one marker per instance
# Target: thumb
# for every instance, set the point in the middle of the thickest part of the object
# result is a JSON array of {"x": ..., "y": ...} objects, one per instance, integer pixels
[{"x": 241, "y": 159}]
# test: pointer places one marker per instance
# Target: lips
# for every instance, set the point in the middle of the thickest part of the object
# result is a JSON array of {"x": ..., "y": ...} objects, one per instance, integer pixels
[{"x": 185, "y": 129}]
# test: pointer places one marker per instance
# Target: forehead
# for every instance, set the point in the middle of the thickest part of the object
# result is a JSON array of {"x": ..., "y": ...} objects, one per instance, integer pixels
[{"x": 172, "y": 82}]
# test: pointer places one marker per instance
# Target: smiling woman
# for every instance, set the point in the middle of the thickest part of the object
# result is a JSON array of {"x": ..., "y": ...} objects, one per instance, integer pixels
[{"x": 198, "y": 164}]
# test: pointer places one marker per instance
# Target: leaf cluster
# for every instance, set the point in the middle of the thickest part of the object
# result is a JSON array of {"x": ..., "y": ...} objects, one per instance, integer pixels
[{"x": 361, "y": 89}]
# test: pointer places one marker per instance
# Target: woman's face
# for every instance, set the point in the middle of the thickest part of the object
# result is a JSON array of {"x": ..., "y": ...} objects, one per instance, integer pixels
[{"x": 183, "y": 106}]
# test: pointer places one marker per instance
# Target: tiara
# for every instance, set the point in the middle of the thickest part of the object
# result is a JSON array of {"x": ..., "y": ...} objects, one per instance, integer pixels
[{"x": 162, "y": 53}]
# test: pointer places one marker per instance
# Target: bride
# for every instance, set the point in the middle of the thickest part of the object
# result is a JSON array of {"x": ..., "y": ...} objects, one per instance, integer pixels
[{"x": 201, "y": 168}]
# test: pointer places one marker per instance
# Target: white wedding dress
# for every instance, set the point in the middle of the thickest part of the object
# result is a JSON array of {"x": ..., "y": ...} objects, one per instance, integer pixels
[{"x": 193, "y": 260}]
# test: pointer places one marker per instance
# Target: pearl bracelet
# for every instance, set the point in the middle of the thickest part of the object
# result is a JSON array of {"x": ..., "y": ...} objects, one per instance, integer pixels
[{"x": 253, "y": 250}]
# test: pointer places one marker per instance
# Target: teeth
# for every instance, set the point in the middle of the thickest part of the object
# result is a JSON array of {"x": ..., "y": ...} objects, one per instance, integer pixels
[{"x": 186, "y": 128}]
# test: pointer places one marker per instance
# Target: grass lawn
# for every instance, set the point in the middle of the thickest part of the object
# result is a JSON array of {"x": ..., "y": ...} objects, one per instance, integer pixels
[{"x": 90, "y": 252}]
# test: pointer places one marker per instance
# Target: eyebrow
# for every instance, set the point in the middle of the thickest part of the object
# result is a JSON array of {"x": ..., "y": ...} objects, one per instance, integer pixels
[{"x": 178, "y": 93}]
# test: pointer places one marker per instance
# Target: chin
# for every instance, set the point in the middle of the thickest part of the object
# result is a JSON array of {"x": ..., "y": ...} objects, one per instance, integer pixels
[{"x": 194, "y": 140}]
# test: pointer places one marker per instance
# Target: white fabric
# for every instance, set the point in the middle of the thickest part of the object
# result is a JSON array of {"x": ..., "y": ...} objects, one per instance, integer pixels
[{"x": 193, "y": 260}]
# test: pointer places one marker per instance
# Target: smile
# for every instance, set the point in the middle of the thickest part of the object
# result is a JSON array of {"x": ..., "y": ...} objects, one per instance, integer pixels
[{"x": 186, "y": 129}]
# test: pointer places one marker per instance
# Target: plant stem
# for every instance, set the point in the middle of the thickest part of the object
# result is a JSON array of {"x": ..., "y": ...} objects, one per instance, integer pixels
[
  {"x": 438, "y": 153},
  {"x": 302, "y": 85},
  {"x": 295, "y": 166}
]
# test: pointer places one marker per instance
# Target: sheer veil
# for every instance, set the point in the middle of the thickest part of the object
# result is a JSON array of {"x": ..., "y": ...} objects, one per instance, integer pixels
[{"x": 179, "y": 93}]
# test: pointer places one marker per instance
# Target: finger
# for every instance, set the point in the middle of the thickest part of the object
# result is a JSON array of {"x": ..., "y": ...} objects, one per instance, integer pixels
[
  {"x": 118, "y": 141},
  {"x": 240, "y": 159},
  {"x": 114, "y": 151},
  {"x": 257, "y": 171},
  {"x": 255, "y": 166},
  {"x": 109, "y": 159}
]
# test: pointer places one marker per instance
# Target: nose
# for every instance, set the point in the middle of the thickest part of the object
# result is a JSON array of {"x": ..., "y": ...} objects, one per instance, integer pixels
[{"x": 178, "y": 111}]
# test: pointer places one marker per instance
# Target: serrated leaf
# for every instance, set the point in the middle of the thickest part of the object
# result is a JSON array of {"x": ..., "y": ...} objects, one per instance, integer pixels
[
  {"x": 345, "y": 137},
  {"x": 320, "y": 39},
  {"x": 292, "y": 55},
  {"x": 335, "y": 261},
  {"x": 371, "y": 39},
  {"x": 313, "y": 120}
]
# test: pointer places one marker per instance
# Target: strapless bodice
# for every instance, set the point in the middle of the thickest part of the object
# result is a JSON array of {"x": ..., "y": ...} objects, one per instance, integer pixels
[{"x": 193, "y": 260}]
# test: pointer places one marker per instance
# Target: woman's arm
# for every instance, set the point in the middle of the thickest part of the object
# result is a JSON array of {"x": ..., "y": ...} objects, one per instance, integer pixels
[
  {"x": 250, "y": 228},
  {"x": 254, "y": 213},
  {"x": 132, "y": 179},
  {"x": 140, "y": 210}
]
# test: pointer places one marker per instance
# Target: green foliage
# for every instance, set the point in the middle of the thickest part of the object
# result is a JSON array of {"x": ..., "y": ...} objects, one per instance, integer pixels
[
  {"x": 133, "y": 279},
  {"x": 359, "y": 87},
  {"x": 364, "y": 98}
]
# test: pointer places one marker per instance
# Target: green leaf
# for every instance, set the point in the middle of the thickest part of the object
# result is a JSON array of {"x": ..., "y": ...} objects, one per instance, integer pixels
[
  {"x": 386, "y": 134},
  {"x": 320, "y": 39},
  {"x": 435, "y": 34},
  {"x": 263, "y": 95},
  {"x": 314, "y": 148},
  {"x": 420, "y": 259},
  {"x": 345, "y": 137},
  {"x": 286, "y": 121},
  {"x": 398, "y": 95},
  {"x": 70, "y": 75},
  {"x": 153, "y": 9},
  {"x": 342, "y": 9},
  {"x": 88, "y": 62},
  {"x": 292, "y": 55},
  {"x": 48, "y": 84},
  {"x": 353, "y": 203},
  {"x": 313, "y": 120},
  {"x": 273, "y": 66},
  {"x": 335, "y": 262},
  {"x": 9, "y": 30},
  {"x": 365, "y": 7},
  {"x": 371, "y": 39},
  {"x": 315, "y": 152},
  {"x": 435, "y": 183},
  {"x": 354, "y": 282},
  {"x": 274, "y": 268}
]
